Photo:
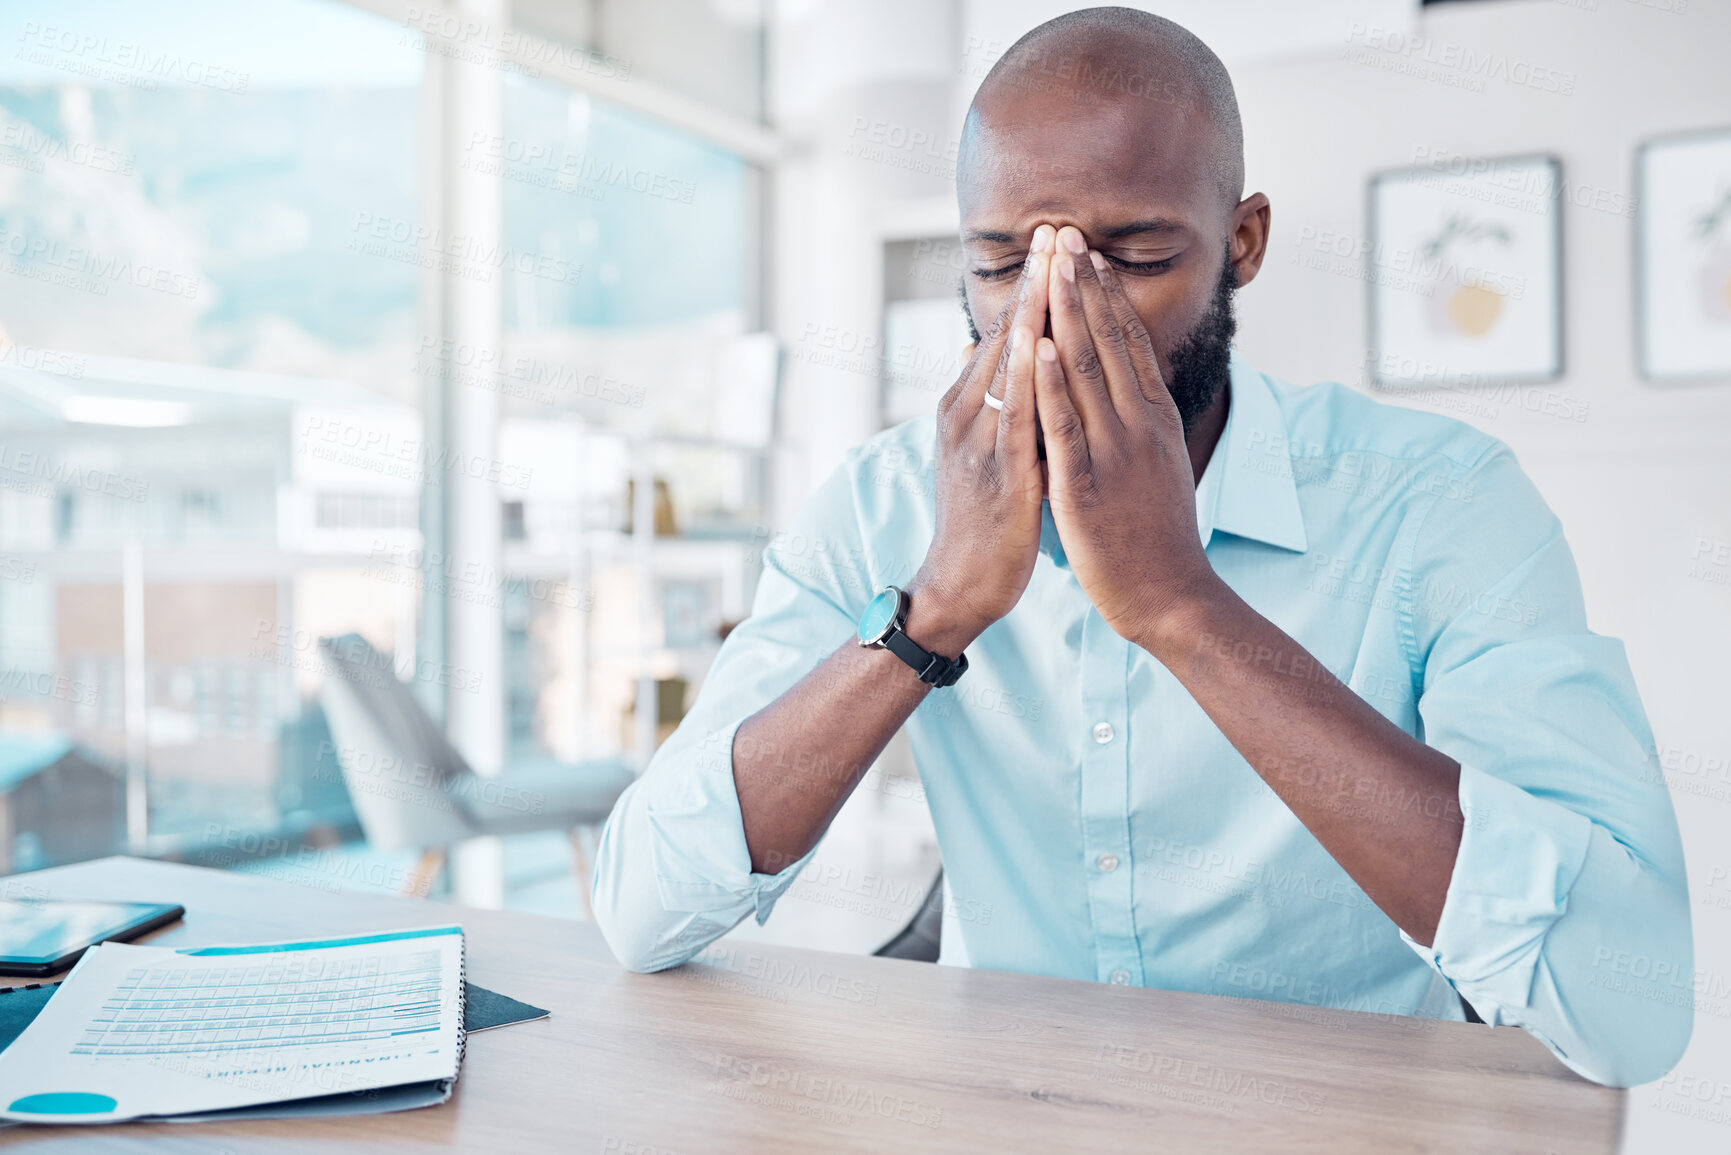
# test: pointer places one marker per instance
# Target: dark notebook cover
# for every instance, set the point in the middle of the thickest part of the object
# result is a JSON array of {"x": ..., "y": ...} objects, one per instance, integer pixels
[{"x": 18, "y": 1006}]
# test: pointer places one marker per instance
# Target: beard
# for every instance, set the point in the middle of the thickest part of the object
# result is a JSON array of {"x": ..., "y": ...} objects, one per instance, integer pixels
[{"x": 1201, "y": 362}]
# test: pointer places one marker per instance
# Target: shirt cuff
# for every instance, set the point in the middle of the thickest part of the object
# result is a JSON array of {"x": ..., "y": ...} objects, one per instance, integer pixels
[
  {"x": 697, "y": 838},
  {"x": 1519, "y": 858}
]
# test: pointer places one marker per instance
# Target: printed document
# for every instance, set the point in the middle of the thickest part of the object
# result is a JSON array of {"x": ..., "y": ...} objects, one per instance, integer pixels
[{"x": 141, "y": 1031}]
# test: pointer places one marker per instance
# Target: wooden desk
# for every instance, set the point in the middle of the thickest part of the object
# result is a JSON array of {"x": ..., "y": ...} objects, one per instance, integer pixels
[{"x": 786, "y": 1050}]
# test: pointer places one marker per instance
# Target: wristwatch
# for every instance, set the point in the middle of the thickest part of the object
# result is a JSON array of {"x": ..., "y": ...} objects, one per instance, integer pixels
[{"x": 881, "y": 626}]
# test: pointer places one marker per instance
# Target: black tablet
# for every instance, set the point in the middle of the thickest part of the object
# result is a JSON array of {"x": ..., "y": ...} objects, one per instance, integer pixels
[{"x": 39, "y": 938}]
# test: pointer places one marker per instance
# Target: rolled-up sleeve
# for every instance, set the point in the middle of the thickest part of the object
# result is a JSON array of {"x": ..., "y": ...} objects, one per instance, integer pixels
[
  {"x": 673, "y": 872},
  {"x": 1567, "y": 913}
]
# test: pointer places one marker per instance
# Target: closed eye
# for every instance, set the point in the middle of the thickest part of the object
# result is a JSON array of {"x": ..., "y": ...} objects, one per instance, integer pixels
[
  {"x": 1148, "y": 267},
  {"x": 1136, "y": 267}
]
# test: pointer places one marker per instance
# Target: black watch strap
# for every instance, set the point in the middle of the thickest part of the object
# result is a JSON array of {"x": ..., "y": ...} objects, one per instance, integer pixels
[{"x": 933, "y": 669}]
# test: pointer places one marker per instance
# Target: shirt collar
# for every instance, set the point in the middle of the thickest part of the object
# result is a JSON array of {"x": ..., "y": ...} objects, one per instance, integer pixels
[{"x": 1247, "y": 488}]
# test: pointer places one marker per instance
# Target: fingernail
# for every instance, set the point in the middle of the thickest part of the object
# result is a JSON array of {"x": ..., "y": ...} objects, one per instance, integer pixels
[
  {"x": 1042, "y": 238},
  {"x": 1017, "y": 338},
  {"x": 1067, "y": 268},
  {"x": 1099, "y": 261},
  {"x": 1046, "y": 350},
  {"x": 1073, "y": 240}
]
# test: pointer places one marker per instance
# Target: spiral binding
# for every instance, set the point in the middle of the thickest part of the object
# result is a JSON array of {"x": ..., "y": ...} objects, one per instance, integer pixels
[{"x": 462, "y": 1009}]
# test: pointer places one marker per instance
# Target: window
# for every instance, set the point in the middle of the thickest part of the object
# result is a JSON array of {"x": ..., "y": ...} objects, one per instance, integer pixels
[
  {"x": 216, "y": 352},
  {"x": 657, "y": 227},
  {"x": 179, "y": 189}
]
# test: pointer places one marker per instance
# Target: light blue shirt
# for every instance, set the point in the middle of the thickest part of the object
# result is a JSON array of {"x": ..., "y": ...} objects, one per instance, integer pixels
[{"x": 1095, "y": 824}]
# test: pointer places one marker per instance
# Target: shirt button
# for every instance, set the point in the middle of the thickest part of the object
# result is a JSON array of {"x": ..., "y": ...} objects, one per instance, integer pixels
[
  {"x": 1121, "y": 978},
  {"x": 1107, "y": 862},
  {"x": 1103, "y": 732}
]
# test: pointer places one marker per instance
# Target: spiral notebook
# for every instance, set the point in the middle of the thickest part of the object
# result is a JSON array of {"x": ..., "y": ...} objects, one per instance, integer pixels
[{"x": 283, "y": 1028}]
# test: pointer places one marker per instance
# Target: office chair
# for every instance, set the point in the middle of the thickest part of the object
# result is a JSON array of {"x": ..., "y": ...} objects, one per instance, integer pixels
[
  {"x": 412, "y": 789},
  {"x": 920, "y": 939}
]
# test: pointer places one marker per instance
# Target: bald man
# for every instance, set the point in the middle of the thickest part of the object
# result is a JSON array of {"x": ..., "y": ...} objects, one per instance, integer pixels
[{"x": 1213, "y": 683}]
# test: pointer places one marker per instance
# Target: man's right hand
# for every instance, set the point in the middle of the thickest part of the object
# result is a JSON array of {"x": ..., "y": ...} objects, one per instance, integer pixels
[
  {"x": 833, "y": 723},
  {"x": 988, "y": 477}
]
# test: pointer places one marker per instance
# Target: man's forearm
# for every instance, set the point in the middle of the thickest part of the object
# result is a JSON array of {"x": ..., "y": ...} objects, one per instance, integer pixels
[
  {"x": 798, "y": 759},
  {"x": 1382, "y": 803}
]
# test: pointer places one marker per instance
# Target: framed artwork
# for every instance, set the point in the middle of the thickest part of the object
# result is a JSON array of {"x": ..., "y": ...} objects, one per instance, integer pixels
[
  {"x": 1683, "y": 256},
  {"x": 1465, "y": 273}
]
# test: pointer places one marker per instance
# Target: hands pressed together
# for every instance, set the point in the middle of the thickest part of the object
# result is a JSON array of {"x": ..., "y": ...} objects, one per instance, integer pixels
[{"x": 1118, "y": 470}]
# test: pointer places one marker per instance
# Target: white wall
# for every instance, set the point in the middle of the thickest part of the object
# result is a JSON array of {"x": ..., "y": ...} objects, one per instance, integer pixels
[{"x": 861, "y": 91}]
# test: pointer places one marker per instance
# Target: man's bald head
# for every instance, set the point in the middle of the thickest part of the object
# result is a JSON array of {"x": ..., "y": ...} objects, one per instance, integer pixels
[
  {"x": 1124, "y": 126},
  {"x": 1153, "y": 77}
]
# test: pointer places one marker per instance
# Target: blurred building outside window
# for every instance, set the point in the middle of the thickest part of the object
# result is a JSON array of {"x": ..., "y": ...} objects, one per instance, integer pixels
[{"x": 215, "y": 354}]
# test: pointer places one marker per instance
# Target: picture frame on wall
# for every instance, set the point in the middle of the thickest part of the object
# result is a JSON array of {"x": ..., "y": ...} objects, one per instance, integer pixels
[
  {"x": 1683, "y": 257},
  {"x": 1465, "y": 273}
]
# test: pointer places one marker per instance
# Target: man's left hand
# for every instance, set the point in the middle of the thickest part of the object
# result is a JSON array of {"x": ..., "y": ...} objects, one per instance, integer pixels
[{"x": 1122, "y": 491}]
